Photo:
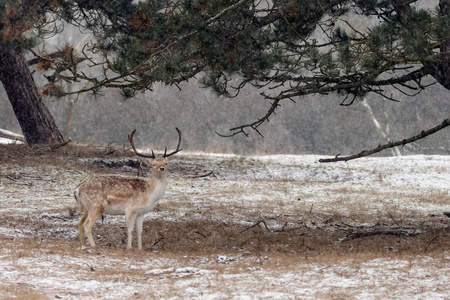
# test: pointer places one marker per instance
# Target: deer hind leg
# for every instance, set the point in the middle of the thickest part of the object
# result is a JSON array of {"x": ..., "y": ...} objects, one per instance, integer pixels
[
  {"x": 130, "y": 217},
  {"x": 139, "y": 221},
  {"x": 92, "y": 217},
  {"x": 81, "y": 228}
]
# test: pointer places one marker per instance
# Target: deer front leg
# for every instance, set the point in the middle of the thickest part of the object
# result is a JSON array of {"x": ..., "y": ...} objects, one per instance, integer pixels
[
  {"x": 130, "y": 218},
  {"x": 139, "y": 222}
]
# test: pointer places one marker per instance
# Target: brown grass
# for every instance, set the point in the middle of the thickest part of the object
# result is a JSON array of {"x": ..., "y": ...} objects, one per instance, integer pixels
[
  {"x": 268, "y": 236},
  {"x": 259, "y": 237}
]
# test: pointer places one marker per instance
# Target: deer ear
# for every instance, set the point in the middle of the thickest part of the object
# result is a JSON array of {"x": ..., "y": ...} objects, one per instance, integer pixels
[{"x": 147, "y": 162}]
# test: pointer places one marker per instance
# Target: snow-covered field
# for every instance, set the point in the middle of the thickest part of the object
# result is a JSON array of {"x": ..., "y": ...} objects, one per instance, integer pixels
[{"x": 259, "y": 227}]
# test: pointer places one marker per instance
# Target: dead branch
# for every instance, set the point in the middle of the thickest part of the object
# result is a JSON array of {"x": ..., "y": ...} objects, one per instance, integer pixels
[
  {"x": 357, "y": 235},
  {"x": 12, "y": 136},
  {"x": 15, "y": 179},
  {"x": 358, "y": 226},
  {"x": 392, "y": 217},
  {"x": 262, "y": 221},
  {"x": 205, "y": 175},
  {"x": 402, "y": 143},
  {"x": 433, "y": 240},
  {"x": 283, "y": 228},
  {"x": 199, "y": 233},
  {"x": 157, "y": 241},
  {"x": 241, "y": 129},
  {"x": 54, "y": 147}
]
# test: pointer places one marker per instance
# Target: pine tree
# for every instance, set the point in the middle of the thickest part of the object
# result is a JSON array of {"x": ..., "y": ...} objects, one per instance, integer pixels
[
  {"x": 22, "y": 23},
  {"x": 286, "y": 48}
]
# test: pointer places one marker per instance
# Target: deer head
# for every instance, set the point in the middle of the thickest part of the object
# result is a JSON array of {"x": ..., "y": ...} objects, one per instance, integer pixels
[{"x": 159, "y": 163}]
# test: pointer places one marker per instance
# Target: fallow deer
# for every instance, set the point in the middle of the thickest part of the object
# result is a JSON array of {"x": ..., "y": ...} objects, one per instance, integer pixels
[{"x": 118, "y": 195}]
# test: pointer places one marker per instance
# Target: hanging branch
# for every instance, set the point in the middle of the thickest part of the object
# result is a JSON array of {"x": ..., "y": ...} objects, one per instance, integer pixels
[
  {"x": 388, "y": 145},
  {"x": 240, "y": 129}
]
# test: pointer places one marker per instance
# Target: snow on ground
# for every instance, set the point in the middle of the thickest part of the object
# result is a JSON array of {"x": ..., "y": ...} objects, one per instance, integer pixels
[
  {"x": 403, "y": 189},
  {"x": 93, "y": 277}
]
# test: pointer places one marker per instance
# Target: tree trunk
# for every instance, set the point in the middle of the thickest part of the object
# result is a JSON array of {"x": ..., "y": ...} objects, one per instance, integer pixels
[
  {"x": 441, "y": 70},
  {"x": 38, "y": 126}
]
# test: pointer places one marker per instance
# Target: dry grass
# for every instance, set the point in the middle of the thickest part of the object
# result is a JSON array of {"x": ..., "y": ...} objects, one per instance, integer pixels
[
  {"x": 243, "y": 234},
  {"x": 259, "y": 237},
  {"x": 438, "y": 197}
]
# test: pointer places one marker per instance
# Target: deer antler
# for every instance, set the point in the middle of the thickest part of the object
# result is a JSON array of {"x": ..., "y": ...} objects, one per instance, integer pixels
[
  {"x": 178, "y": 146},
  {"x": 130, "y": 138}
]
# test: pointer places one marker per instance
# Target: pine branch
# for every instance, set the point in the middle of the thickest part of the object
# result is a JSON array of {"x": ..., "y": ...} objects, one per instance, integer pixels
[
  {"x": 421, "y": 135},
  {"x": 256, "y": 124},
  {"x": 224, "y": 11}
]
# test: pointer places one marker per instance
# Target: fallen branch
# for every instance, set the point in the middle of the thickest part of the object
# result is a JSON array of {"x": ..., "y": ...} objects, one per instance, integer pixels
[
  {"x": 359, "y": 226},
  {"x": 262, "y": 221},
  {"x": 54, "y": 147},
  {"x": 421, "y": 135},
  {"x": 199, "y": 233},
  {"x": 433, "y": 240},
  {"x": 157, "y": 242},
  {"x": 393, "y": 219},
  {"x": 12, "y": 136},
  {"x": 357, "y": 235},
  {"x": 48, "y": 148},
  {"x": 205, "y": 175},
  {"x": 283, "y": 228}
]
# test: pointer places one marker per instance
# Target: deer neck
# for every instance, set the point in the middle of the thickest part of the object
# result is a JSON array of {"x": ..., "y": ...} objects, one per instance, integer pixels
[
  {"x": 157, "y": 188},
  {"x": 160, "y": 177}
]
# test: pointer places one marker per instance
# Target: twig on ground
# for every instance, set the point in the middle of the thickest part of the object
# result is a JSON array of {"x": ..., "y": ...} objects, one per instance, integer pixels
[
  {"x": 39, "y": 149},
  {"x": 262, "y": 221},
  {"x": 392, "y": 217},
  {"x": 357, "y": 235},
  {"x": 359, "y": 226},
  {"x": 54, "y": 147},
  {"x": 433, "y": 240},
  {"x": 199, "y": 233},
  {"x": 157, "y": 242},
  {"x": 12, "y": 136},
  {"x": 205, "y": 175},
  {"x": 283, "y": 228}
]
